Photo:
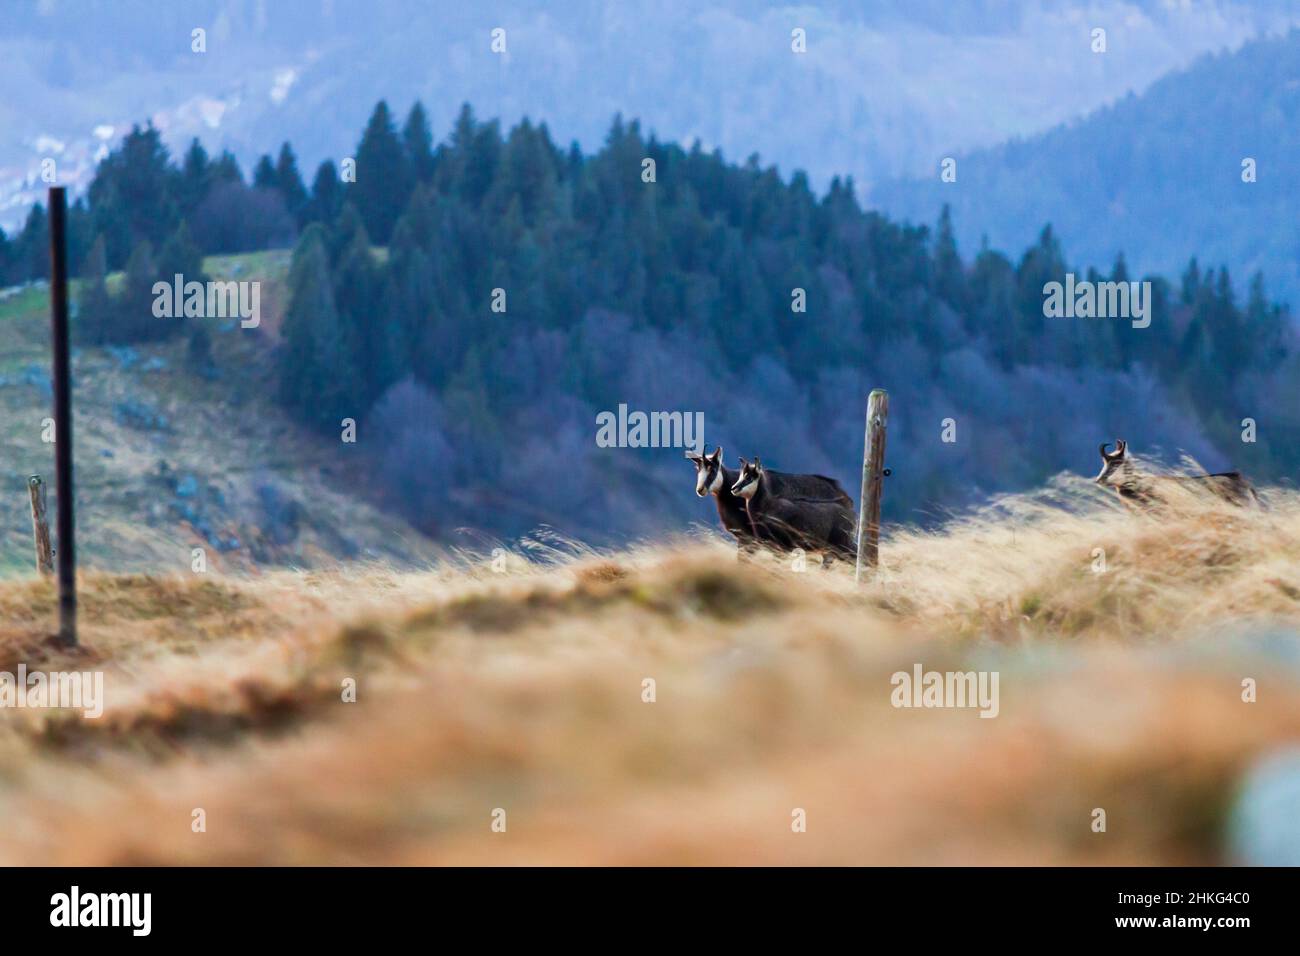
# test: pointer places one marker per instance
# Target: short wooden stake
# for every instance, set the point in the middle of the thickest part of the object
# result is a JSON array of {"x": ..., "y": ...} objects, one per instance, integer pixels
[{"x": 41, "y": 526}]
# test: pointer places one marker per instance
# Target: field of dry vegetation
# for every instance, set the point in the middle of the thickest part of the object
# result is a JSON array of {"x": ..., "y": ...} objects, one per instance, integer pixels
[{"x": 521, "y": 689}]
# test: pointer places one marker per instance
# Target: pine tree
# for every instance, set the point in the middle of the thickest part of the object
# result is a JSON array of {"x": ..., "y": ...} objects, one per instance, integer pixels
[
  {"x": 481, "y": 160},
  {"x": 383, "y": 176},
  {"x": 1266, "y": 326},
  {"x": 527, "y": 174},
  {"x": 358, "y": 290},
  {"x": 94, "y": 318},
  {"x": 1223, "y": 322},
  {"x": 742, "y": 303},
  {"x": 317, "y": 375},
  {"x": 80, "y": 234},
  {"x": 418, "y": 140},
  {"x": 134, "y": 319},
  {"x": 264, "y": 176},
  {"x": 1191, "y": 286},
  {"x": 326, "y": 195},
  {"x": 1041, "y": 264},
  {"x": 289, "y": 182},
  {"x": 949, "y": 277},
  {"x": 410, "y": 300},
  {"x": 225, "y": 169},
  {"x": 8, "y": 274},
  {"x": 32, "y": 248},
  {"x": 454, "y": 158},
  {"x": 132, "y": 196},
  {"x": 419, "y": 223},
  {"x": 195, "y": 179},
  {"x": 180, "y": 256},
  {"x": 993, "y": 293},
  {"x": 343, "y": 232},
  {"x": 1117, "y": 344}
]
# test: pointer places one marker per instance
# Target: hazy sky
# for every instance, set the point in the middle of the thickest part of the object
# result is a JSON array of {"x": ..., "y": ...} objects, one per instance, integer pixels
[{"x": 885, "y": 88}]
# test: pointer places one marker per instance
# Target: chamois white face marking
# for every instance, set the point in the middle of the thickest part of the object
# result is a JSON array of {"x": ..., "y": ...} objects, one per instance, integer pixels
[
  {"x": 701, "y": 477},
  {"x": 716, "y": 484},
  {"x": 747, "y": 483},
  {"x": 708, "y": 473}
]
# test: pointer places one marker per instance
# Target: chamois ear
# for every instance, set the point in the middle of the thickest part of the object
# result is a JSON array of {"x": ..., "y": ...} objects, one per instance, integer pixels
[
  {"x": 717, "y": 454},
  {"x": 743, "y": 462},
  {"x": 695, "y": 456}
]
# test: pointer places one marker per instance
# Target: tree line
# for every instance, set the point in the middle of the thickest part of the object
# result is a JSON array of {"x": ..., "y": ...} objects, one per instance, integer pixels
[{"x": 667, "y": 277}]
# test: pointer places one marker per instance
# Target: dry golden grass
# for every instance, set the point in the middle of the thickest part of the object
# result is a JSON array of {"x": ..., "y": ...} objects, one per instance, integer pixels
[{"x": 522, "y": 690}]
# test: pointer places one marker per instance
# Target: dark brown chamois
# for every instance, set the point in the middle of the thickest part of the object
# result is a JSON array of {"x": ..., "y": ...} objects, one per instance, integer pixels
[
  {"x": 814, "y": 524},
  {"x": 1142, "y": 490},
  {"x": 712, "y": 477}
]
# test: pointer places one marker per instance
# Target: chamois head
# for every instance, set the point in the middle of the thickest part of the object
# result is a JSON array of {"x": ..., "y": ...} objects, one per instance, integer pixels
[
  {"x": 708, "y": 471},
  {"x": 1113, "y": 464},
  {"x": 751, "y": 472}
]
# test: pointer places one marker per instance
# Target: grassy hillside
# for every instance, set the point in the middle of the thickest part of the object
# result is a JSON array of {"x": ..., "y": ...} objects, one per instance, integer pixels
[
  {"x": 168, "y": 460},
  {"x": 521, "y": 688}
]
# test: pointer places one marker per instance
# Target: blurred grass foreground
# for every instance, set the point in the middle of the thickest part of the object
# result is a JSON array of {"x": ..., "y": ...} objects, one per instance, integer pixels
[{"x": 668, "y": 704}]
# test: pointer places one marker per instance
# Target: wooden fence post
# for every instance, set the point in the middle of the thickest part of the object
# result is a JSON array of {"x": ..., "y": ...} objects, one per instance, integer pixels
[
  {"x": 40, "y": 526},
  {"x": 873, "y": 481}
]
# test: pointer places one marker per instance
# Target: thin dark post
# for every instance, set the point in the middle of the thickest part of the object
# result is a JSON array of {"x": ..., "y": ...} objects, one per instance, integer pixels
[
  {"x": 873, "y": 481},
  {"x": 66, "y": 550}
]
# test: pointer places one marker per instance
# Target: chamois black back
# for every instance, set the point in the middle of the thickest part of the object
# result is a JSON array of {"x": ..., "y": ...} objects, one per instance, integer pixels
[
  {"x": 815, "y": 524},
  {"x": 812, "y": 487}
]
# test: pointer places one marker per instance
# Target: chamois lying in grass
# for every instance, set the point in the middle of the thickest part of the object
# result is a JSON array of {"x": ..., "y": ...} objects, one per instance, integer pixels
[
  {"x": 712, "y": 477},
  {"x": 1141, "y": 490},
  {"x": 796, "y": 522}
]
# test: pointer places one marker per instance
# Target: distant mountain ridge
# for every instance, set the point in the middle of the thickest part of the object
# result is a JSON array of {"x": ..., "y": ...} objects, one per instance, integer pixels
[
  {"x": 882, "y": 90},
  {"x": 1157, "y": 176}
]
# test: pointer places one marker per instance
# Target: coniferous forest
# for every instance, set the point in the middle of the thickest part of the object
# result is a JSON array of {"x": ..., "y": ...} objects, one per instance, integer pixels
[{"x": 731, "y": 289}]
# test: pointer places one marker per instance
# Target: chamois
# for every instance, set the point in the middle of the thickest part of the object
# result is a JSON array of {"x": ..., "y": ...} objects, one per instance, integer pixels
[
  {"x": 712, "y": 477},
  {"x": 1141, "y": 490},
  {"x": 796, "y": 522}
]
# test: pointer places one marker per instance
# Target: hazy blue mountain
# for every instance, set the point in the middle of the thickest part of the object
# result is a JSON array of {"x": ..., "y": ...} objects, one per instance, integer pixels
[
  {"x": 1157, "y": 176},
  {"x": 884, "y": 88}
]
